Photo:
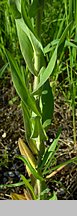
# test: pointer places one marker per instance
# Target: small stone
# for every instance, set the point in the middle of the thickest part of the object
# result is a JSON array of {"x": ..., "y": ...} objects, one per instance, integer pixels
[
  {"x": 11, "y": 174},
  {"x": 4, "y": 135}
]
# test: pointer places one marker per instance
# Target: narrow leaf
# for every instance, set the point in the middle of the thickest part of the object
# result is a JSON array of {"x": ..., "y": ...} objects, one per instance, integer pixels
[
  {"x": 33, "y": 171},
  {"x": 16, "y": 196},
  {"x": 27, "y": 121},
  {"x": 25, "y": 15},
  {"x": 37, "y": 46},
  {"x": 47, "y": 100},
  {"x": 21, "y": 89},
  {"x": 26, "y": 182},
  {"x": 26, "y": 47},
  {"x": 64, "y": 35},
  {"x": 50, "y": 152},
  {"x": 53, "y": 197},
  {"x": 48, "y": 71},
  {"x": 57, "y": 168},
  {"x": 11, "y": 185},
  {"x": 25, "y": 151},
  {"x": 2, "y": 70},
  {"x": 70, "y": 44}
]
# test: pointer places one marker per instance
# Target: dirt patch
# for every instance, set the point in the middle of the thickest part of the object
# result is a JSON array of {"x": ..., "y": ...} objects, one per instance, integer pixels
[{"x": 11, "y": 128}]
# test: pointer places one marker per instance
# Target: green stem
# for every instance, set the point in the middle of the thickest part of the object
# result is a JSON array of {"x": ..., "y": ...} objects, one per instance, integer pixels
[
  {"x": 37, "y": 58},
  {"x": 72, "y": 96}
]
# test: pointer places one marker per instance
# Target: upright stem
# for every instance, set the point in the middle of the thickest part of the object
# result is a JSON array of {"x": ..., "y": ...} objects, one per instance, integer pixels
[
  {"x": 72, "y": 97},
  {"x": 37, "y": 56}
]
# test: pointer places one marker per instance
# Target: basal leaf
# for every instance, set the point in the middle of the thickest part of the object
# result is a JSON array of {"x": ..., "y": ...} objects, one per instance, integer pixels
[
  {"x": 33, "y": 171},
  {"x": 11, "y": 185},
  {"x": 25, "y": 151},
  {"x": 29, "y": 186},
  {"x": 16, "y": 196}
]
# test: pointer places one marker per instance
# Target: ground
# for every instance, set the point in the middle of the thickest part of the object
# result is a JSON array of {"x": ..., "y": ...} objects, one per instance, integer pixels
[{"x": 11, "y": 128}]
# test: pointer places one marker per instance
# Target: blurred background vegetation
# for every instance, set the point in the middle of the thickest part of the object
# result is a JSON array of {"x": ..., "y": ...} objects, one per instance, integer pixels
[
  {"x": 64, "y": 77},
  {"x": 54, "y": 12}
]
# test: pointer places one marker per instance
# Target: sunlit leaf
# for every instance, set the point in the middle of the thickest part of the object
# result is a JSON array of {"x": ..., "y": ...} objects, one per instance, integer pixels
[
  {"x": 16, "y": 196},
  {"x": 33, "y": 171},
  {"x": 26, "y": 48},
  {"x": 19, "y": 85},
  {"x": 25, "y": 151},
  {"x": 48, "y": 71}
]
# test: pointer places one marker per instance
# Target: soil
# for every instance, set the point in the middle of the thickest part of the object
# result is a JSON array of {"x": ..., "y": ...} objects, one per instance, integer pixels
[{"x": 11, "y": 129}]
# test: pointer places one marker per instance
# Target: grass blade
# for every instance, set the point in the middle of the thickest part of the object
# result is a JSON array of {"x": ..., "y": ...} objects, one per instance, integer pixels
[
  {"x": 2, "y": 70},
  {"x": 60, "y": 166},
  {"x": 50, "y": 152},
  {"x": 26, "y": 182},
  {"x": 11, "y": 185}
]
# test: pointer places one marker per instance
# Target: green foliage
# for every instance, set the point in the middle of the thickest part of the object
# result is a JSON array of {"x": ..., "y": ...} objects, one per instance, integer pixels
[{"x": 43, "y": 59}]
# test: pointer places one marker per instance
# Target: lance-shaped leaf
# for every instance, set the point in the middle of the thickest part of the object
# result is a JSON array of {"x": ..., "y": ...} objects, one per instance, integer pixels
[
  {"x": 64, "y": 34},
  {"x": 48, "y": 71},
  {"x": 37, "y": 46},
  {"x": 33, "y": 8},
  {"x": 25, "y": 15},
  {"x": 54, "y": 170},
  {"x": 27, "y": 121},
  {"x": 15, "y": 7},
  {"x": 18, "y": 4},
  {"x": 33, "y": 171},
  {"x": 47, "y": 101},
  {"x": 21, "y": 89},
  {"x": 2, "y": 70},
  {"x": 50, "y": 152},
  {"x": 26, "y": 47},
  {"x": 37, "y": 129},
  {"x": 29, "y": 186},
  {"x": 16, "y": 196},
  {"x": 33, "y": 147},
  {"x": 70, "y": 44},
  {"x": 25, "y": 151},
  {"x": 27, "y": 195}
]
